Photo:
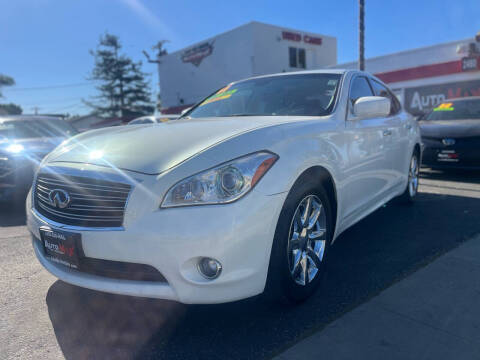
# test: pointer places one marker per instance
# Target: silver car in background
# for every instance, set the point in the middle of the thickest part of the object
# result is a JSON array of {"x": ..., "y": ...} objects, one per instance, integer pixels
[{"x": 153, "y": 119}]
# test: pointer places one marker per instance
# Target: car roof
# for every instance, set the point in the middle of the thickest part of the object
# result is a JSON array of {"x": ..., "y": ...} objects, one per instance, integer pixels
[
  {"x": 4, "y": 118},
  {"x": 303, "y": 72}
]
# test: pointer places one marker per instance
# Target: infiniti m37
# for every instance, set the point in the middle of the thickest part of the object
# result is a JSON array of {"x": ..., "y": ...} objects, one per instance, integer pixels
[{"x": 244, "y": 194}]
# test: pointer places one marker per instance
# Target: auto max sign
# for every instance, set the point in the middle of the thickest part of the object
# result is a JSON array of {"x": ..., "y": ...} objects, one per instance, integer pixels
[
  {"x": 196, "y": 54},
  {"x": 420, "y": 100}
]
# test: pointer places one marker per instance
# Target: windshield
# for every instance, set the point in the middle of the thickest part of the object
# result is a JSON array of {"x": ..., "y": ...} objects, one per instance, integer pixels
[
  {"x": 456, "y": 110},
  {"x": 302, "y": 94},
  {"x": 30, "y": 129}
]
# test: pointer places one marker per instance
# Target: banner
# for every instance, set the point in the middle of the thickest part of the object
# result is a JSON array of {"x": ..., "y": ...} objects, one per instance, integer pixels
[{"x": 420, "y": 100}]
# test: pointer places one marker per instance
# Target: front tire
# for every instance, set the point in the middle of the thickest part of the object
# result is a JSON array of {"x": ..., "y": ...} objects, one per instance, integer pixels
[{"x": 300, "y": 246}]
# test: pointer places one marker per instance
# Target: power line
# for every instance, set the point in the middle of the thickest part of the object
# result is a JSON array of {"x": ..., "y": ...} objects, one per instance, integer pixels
[
  {"x": 48, "y": 87},
  {"x": 75, "y": 105},
  {"x": 50, "y": 101}
]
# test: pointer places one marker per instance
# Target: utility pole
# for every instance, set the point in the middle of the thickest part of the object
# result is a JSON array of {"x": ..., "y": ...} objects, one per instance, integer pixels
[
  {"x": 361, "y": 35},
  {"x": 160, "y": 52}
]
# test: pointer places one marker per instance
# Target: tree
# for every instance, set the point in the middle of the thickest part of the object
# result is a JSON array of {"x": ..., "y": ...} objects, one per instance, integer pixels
[
  {"x": 10, "y": 109},
  {"x": 5, "y": 81},
  {"x": 123, "y": 89}
]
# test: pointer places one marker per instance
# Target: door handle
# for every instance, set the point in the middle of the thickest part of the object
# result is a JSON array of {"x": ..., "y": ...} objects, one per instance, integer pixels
[{"x": 387, "y": 132}]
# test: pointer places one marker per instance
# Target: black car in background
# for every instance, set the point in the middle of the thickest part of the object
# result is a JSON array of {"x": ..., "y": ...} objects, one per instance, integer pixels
[
  {"x": 451, "y": 135},
  {"x": 24, "y": 142}
]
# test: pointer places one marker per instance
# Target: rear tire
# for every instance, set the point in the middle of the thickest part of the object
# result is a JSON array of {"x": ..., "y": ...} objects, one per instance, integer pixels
[
  {"x": 300, "y": 245},
  {"x": 410, "y": 193}
]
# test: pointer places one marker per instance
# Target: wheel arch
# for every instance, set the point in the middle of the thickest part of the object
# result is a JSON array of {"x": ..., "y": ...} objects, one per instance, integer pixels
[
  {"x": 319, "y": 174},
  {"x": 418, "y": 149}
]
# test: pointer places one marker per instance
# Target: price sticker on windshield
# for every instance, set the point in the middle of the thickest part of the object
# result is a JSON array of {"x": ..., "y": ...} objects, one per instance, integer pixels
[
  {"x": 222, "y": 94},
  {"x": 444, "y": 107}
]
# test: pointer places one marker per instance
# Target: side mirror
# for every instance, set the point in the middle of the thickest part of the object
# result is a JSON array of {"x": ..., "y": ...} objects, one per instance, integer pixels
[
  {"x": 184, "y": 111},
  {"x": 371, "y": 107}
]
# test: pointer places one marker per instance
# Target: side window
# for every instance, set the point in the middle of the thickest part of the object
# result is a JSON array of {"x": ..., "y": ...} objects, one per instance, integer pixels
[
  {"x": 360, "y": 88},
  {"x": 381, "y": 90}
]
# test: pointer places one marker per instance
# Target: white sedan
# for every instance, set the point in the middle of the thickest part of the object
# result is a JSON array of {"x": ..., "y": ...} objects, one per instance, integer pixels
[{"x": 245, "y": 193}]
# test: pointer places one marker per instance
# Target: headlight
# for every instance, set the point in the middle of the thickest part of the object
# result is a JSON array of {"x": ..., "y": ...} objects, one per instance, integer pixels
[
  {"x": 15, "y": 148},
  {"x": 222, "y": 184}
]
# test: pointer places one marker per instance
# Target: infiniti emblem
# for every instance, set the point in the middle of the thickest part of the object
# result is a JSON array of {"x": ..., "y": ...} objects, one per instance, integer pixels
[
  {"x": 59, "y": 198},
  {"x": 448, "y": 142}
]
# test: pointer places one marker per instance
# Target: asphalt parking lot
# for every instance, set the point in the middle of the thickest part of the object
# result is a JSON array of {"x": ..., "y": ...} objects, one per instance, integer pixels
[{"x": 42, "y": 317}]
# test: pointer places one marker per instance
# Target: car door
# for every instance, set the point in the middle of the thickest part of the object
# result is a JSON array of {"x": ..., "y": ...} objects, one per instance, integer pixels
[
  {"x": 396, "y": 139},
  {"x": 367, "y": 171}
]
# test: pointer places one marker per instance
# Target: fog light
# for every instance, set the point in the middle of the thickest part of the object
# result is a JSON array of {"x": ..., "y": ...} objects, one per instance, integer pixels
[{"x": 209, "y": 268}]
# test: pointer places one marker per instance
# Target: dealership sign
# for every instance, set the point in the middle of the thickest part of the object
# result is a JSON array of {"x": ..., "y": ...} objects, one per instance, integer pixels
[
  {"x": 420, "y": 100},
  {"x": 292, "y": 36},
  {"x": 196, "y": 54}
]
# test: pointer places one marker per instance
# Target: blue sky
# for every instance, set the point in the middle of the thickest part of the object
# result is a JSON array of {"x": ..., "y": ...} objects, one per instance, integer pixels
[{"x": 45, "y": 44}]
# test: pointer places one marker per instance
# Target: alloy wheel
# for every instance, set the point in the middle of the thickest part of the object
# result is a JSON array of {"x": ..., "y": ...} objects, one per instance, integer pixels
[
  {"x": 413, "y": 176},
  {"x": 307, "y": 240}
]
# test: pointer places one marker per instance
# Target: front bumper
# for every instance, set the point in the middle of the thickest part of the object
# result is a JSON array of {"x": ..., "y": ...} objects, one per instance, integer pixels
[
  {"x": 461, "y": 158},
  {"x": 239, "y": 235}
]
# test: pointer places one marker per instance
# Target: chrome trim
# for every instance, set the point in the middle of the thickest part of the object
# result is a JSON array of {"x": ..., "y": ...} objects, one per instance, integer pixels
[
  {"x": 79, "y": 196},
  {"x": 100, "y": 175},
  {"x": 104, "y": 208},
  {"x": 79, "y": 217},
  {"x": 109, "y": 175},
  {"x": 60, "y": 226},
  {"x": 84, "y": 186}
]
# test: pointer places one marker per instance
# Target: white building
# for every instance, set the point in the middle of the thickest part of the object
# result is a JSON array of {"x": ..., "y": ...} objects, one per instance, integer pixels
[
  {"x": 424, "y": 77},
  {"x": 190, "y": 74}
]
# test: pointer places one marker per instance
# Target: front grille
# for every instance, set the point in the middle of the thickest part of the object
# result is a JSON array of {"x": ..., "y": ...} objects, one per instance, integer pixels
[{"x": 93, "y": 202}]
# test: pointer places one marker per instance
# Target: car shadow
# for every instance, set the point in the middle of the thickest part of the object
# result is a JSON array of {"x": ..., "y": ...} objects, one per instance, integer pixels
[
  {"x": 456, "y": 175},
  {"x": 95, "y": 325},
  {"x": 382, "y": 249}
]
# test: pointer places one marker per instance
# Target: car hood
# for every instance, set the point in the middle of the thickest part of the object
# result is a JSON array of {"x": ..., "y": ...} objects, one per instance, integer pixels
[
  {"x": 152, "y": 149},
  {"x": 450, "y": 128}
]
